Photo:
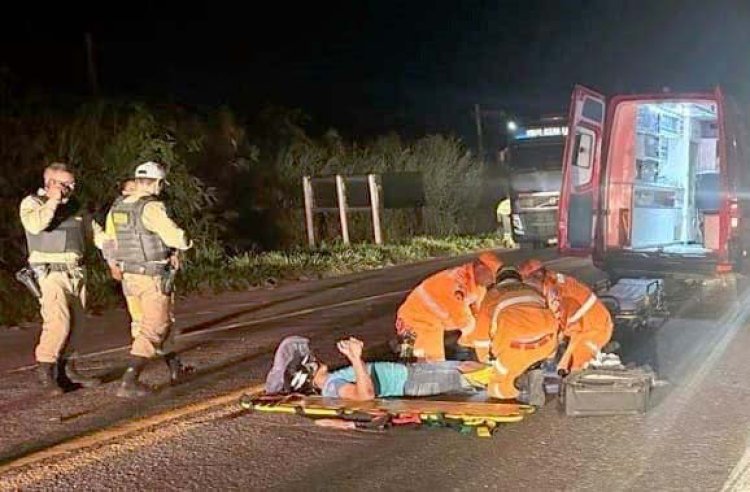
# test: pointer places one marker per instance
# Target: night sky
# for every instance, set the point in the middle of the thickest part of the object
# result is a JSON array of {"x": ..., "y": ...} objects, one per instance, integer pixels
[{"x": 372, "y": 66}]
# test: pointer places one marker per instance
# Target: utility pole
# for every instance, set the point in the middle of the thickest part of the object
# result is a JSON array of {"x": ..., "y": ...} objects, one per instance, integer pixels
[
  {"x": 93, "y": 83},
  {"x": 478, "y": 121}
]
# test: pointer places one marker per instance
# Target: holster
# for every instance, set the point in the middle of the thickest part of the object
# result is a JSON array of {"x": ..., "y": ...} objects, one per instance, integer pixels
[
  {"x": 167, "y": 281},
  {"x": 27, "y": 276}
]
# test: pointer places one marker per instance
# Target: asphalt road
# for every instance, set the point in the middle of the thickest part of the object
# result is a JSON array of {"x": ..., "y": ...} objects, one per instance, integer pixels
[{"x": 694, "y": 437}]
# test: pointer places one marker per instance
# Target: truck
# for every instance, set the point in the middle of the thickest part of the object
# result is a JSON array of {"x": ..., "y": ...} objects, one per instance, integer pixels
[
  {"x": 656, "y": 184},
  {"x": 532, "y": 160}
]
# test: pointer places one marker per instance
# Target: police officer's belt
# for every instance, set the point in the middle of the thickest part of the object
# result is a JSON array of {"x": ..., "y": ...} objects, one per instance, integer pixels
[
  {"x": 154, "y": 269},
  {"x": 56, "y": 267}
]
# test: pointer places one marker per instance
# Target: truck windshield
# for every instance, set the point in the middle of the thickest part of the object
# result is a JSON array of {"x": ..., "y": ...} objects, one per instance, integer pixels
[{"x": 537, "y": 156}]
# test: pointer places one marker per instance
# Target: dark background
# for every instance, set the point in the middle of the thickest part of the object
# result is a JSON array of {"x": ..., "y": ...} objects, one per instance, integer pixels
[{"x": 367, "y": 67}]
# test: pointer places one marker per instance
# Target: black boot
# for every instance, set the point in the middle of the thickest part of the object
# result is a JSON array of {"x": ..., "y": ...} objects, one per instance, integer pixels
[
  {"x": 177, "y": 370},
  {"x": 67, "y": 370},
  {"x": 537, "y": 395},
  {"x": 130, "y": 387},
  {"x": 47, "y": 380}
]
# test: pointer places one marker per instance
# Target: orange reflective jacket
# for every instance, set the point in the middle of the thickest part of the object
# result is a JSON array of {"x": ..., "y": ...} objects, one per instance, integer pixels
[{"x": 448, "y": 299}]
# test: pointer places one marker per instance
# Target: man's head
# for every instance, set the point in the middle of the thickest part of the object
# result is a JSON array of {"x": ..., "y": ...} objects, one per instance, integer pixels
[
  {"x": 303, "y": 375},
  {"x": 295, "y": 368},
  {"x": 485, "y": 268},
  {"x": 150, "y": 177},
  {"x": 59, "y": 180}
]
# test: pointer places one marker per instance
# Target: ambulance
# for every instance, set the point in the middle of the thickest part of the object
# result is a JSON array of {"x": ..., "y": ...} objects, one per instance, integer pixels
[{"x": 653, "y": 184}]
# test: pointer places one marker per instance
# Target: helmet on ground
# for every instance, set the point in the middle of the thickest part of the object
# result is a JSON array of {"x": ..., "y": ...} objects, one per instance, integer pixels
[
  {"x": 151, "y": 170},
  {"x": 491, "y": 261},
  {"x": 294, "y": 366},
  {"x": 508, "y": 273},
  {"x": 530, "y": 267}
]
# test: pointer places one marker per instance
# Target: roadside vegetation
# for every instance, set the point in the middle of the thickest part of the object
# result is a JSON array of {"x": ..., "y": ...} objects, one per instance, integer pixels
[{"x": 236, "y": 187}]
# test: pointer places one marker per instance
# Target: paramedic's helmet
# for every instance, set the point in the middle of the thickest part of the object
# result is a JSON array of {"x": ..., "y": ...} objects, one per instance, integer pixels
[
  {"x": 491, "y": 261},
  {"x": 508, "y": 274},
  {"x": 530, "y": 267},
  {"x": 293, "y": 366},
  {"x": 151, "y": 170}
]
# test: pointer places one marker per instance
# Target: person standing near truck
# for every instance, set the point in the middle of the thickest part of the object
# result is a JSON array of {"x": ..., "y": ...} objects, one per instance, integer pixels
[
  {"x": 503, "y": 214},
  {"x": 145, "y": 238}
]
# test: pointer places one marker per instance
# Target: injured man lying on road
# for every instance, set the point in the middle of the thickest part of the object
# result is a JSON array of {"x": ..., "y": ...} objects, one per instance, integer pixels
[{"x": 297, "y": 370}]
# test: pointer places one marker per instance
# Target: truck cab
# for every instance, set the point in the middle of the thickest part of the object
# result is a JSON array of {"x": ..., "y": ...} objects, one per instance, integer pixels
[
  {"x": 532, "y": 160},
  {"x": 651, "y": 184}
]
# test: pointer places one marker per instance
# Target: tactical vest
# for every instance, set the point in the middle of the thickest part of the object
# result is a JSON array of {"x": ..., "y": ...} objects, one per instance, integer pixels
[
  {"x": 136, "y": 245},
  {"x": 64, "y": 234}
]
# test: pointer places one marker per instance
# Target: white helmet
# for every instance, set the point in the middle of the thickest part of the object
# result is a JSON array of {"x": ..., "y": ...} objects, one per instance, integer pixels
[{"x": 151, "y": 170}]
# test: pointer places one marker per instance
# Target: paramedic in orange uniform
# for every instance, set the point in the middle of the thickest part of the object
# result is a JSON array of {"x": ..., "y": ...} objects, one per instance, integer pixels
[
  {"x": 445, "y": 301},
  {"x": 520, "y": 329},
  {"x": 587, "y": 323}
]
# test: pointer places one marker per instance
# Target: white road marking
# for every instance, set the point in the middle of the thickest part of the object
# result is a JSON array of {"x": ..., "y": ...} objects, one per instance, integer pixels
[{"x": 739, "y": 479}]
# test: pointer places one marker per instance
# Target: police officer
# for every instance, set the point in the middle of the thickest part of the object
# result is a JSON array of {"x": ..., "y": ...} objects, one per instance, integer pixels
[
  {"x": 146, "y": 238},
  {"x": 56, "y": 234}
]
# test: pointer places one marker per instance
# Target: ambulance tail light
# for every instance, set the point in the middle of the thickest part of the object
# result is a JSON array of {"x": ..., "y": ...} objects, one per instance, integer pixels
[
  {"x": 734, "y": 213},
  {"x": 724, "y": 268}
]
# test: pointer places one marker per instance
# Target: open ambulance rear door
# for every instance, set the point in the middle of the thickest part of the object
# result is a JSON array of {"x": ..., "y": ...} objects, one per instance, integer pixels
[{"x": 582, "y": 164}]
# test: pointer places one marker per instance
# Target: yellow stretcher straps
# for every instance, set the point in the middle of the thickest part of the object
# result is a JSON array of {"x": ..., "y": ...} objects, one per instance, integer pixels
[{"x": 482, "y": 425}]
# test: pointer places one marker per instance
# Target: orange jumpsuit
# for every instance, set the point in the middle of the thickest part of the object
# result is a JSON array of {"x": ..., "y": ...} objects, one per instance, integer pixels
[
  {"x": 517, "y": 330},
  {"x": 448, "y": 300},
  {"x": 586, "y": 321}
]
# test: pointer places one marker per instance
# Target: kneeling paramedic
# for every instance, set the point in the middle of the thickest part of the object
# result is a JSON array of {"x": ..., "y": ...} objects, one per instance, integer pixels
[
  {"x": 586, "y": 322},
  {"x": 56, "y": 235},
  {"x": 297, "y": 370},
  {"x": 146, "y": 239},
  {"x": 516, "y": 330},
  {"x": 445, "y": 301}
]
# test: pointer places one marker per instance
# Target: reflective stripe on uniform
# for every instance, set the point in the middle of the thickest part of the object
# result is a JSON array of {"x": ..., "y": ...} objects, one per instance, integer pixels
[
  {"x": 583, "y": 309},
  {"x": 495, "y": 392},
  {"x": 591, "y": 345},
  {"x": 430, "y": 303},
  {"x": 499, "y": 367},
  {"x": 526, "y": 340},
  {"x": 469, "y": 328},
  {"x": 513, "y": 301},
  {"x": 418, "y": 352},
  {"x": 482, "y": 343},
  {"x": 531, "y": 343}
]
